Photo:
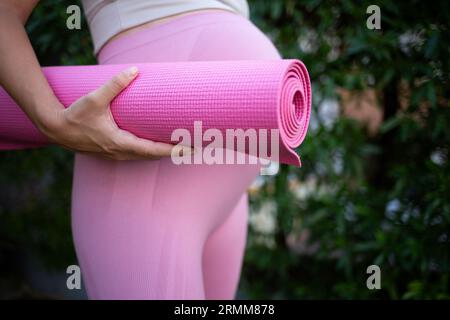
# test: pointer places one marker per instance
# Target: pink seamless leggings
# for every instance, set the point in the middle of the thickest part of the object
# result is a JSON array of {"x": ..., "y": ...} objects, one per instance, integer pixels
[{"x": 152, "y": 229}]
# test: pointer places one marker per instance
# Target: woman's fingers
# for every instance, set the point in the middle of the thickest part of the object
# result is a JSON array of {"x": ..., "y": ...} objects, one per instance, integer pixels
[
  {"x": 145, "y": 149},
  {"x": 89, "y": 127},
  {"x": 108, "y": 91}
]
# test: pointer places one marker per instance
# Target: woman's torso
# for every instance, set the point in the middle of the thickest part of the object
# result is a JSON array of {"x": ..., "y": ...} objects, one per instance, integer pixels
[{"x": 109, "y": 19}]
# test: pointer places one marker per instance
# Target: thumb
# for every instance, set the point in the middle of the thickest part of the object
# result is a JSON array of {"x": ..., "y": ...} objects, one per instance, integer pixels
[{"x": 108, "y": 91}]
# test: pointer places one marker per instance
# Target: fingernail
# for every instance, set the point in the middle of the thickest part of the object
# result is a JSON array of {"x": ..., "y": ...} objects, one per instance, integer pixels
[{"x": 131, "y": 72}]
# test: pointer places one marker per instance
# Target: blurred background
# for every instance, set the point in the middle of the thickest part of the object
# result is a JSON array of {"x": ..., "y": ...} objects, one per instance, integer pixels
[{"x": 375, "y": 183}]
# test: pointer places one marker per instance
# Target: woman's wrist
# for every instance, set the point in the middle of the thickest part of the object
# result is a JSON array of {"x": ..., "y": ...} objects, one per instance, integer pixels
[{"x": 48, "y": 119}]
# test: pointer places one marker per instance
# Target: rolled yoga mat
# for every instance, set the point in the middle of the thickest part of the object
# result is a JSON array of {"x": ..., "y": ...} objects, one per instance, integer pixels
[{"x": 167, "y": 96}]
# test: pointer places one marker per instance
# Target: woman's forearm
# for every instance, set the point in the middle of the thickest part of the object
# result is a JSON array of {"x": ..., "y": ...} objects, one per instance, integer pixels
[
  {"x": 20, "y": 73},
  {"x": 85, "y": 126}
]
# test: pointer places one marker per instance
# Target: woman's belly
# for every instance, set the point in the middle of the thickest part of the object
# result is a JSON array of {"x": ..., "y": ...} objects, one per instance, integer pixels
[
  {"x": 203, "y": 35},
  {"x": 158, "y": 21},
  {"x": 213, "y": 190}
]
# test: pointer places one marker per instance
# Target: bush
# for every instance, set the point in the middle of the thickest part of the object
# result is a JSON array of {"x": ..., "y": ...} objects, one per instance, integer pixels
[{"x": 362, "y": 198}]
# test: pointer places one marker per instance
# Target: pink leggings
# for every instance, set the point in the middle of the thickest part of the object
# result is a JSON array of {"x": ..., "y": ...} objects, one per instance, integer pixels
[{"x": 152, "y": 229}]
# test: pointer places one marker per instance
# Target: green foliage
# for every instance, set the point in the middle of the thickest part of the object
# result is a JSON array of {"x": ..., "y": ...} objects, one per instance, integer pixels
[
  {"x": 375, "y": 199},
  {"x": 53, "y": 42},
  {"x": 366, "y": 199},
  {"x": 35, "y": 210},
  {"x": 36, "y": 184}
]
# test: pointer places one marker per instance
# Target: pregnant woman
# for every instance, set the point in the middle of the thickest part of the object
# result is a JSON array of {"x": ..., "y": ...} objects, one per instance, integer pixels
[{"x": 143, "y": 227}]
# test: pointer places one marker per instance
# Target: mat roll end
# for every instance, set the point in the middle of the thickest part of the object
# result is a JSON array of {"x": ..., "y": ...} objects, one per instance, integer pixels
[{"x": 294, "y": 110}]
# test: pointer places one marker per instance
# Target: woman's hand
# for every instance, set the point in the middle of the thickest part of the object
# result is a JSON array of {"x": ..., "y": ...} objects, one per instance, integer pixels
[{"x": 88, "y": 126}]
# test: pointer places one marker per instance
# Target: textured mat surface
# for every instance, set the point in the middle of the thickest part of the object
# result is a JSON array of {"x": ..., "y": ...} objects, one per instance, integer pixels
[{"x": 167, "y": 96}]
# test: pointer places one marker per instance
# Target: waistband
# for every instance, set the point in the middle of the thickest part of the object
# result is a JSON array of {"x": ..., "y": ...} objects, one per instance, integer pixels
[{"x": 164, "y": 29}]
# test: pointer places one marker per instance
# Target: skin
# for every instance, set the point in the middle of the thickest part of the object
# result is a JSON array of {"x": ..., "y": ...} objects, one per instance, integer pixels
[{"x": 87, "y": 126}]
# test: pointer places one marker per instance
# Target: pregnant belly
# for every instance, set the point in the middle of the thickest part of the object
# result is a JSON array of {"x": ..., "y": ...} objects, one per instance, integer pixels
[{"x": 159, "y": 21}]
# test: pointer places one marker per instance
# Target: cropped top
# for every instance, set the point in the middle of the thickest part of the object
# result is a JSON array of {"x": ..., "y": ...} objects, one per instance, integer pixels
[{"x": 106, "y": 18}]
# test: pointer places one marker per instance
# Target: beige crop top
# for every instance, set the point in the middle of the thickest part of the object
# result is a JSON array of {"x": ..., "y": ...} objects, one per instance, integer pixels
[{"x": 106, "y": 18}]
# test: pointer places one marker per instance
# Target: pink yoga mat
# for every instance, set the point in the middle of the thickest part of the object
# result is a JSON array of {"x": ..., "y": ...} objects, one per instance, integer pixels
[{"x": 167, "y": 96}]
